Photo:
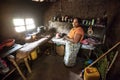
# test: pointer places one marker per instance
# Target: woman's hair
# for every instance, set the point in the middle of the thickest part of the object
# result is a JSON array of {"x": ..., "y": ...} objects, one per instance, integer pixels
[{"x": 79, "y": 21}]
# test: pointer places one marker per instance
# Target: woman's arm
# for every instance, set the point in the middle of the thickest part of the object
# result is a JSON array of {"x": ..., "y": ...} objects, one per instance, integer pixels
[{"x": 76, "y": 38}]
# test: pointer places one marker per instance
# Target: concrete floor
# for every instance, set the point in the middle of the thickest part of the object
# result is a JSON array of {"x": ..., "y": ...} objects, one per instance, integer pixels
[{"x": 51, "y": 67}]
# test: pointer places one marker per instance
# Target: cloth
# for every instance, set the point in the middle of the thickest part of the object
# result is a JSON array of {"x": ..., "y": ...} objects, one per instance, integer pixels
[
  {"x": 74, "y": 31},
  {"x": 91, "y": 41}
]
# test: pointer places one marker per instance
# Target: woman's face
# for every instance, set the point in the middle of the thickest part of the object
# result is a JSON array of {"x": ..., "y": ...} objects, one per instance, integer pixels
[{"x": 75, "y": 23}]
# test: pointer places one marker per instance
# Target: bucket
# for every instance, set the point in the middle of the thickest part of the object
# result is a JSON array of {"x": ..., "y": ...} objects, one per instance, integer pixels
[
  {"x": 91, "y": 73},
  {"x": 60, "y": 50}
]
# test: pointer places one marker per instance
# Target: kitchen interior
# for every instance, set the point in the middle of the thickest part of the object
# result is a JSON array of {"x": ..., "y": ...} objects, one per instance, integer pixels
[{"x": 31, "y": 34}]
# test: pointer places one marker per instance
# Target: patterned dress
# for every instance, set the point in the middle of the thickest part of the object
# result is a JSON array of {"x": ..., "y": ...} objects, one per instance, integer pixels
[{"x": 71, "y": 51}]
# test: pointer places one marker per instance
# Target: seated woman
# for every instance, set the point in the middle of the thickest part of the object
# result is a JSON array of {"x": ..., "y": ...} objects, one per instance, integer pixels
[{"x": 73, "y": 40}]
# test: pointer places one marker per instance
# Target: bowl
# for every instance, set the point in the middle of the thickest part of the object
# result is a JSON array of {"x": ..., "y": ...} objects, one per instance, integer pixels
[{"x": 9, "y": 42}]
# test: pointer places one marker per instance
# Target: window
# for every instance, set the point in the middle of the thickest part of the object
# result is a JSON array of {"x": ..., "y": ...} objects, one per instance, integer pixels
[{"x": 22, "y": 25}]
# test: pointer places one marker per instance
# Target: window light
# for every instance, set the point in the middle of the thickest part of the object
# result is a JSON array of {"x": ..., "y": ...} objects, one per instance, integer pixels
[
  {"x": 29, "y": 21},
  {"x": 20, "y": 29},
  {"x": 30, "y": 27},
  {"x": 18, "y": 22},
  {"x": 22, "y": 25}
]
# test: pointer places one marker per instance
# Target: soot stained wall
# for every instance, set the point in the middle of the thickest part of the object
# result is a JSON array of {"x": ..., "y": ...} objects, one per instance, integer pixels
[
  {"x": 89, "y": 9},
  {"x": 82, "y": 8},
  {"x": 17, "y": 9}
]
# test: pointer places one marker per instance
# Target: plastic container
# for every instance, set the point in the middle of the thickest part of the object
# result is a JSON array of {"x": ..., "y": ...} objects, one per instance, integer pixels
[
  {"x": 34, "y": 55},
  {"x": 91, "y": 73}
]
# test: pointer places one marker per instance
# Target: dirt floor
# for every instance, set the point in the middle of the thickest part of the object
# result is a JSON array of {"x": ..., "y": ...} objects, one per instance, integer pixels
[{"x": 51, "y": 67}]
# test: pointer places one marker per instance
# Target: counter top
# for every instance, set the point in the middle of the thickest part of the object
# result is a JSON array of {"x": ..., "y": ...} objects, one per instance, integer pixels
[{"x": 59, "y": 40}]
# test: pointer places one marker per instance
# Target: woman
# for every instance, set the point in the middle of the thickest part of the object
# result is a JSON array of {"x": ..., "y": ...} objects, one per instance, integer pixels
[{"x": 73, "y": 38}]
